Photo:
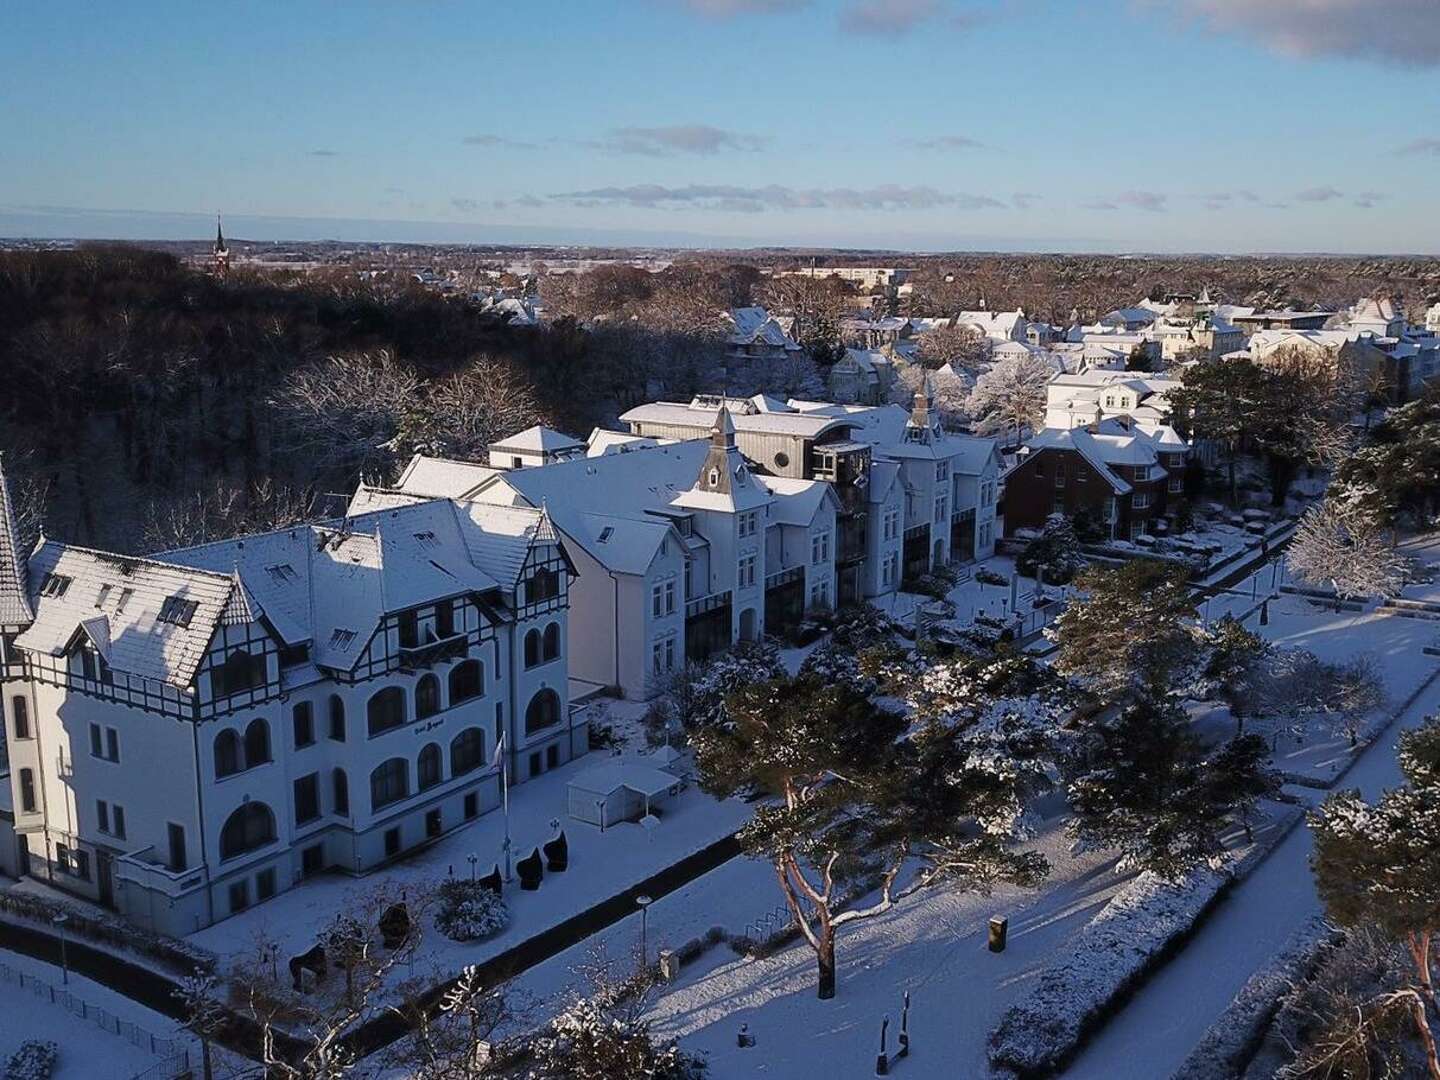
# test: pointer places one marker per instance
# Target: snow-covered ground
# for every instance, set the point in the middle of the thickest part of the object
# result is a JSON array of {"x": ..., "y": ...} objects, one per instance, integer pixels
[
  {"x": 87, "y": 1051},
  {"x": 601, "y": 865}
]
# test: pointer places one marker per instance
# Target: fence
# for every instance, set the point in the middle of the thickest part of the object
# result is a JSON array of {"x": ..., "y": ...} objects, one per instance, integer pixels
[{"x": 175, "y": 1054}]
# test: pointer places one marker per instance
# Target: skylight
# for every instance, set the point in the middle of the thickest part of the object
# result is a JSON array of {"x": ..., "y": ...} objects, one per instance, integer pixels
[
  {"x": 178, "y": 611},
  {"x": 54, "y": 585}
]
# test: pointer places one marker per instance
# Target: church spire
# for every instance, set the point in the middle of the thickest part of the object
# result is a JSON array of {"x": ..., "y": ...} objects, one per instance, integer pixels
[
  {"x": 220, "y": 253},
  {"x": 15, "y": 610}
]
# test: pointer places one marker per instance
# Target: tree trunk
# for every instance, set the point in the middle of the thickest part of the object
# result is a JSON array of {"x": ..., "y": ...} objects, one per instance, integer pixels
[
  {"x": 825, "y": 963},
  {"x": 1427, "y": 1037},
  {"x": 1234, "y": 488}
]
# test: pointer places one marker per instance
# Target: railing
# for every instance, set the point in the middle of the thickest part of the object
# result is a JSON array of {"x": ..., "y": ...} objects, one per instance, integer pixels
[
  {"x": 146, "y": 868},
  {"x": 705, "y": 604},
  {"x": 784, "y": 577},
  {"x": 432, "y": 652},
  {"x": 174, "y": 1052}
]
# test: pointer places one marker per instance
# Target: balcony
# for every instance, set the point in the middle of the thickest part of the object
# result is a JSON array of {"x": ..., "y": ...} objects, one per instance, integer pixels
[
  {"x": 784, "y": 577},
  {"x": 413, "y": 657},
  {"x": 705, "y": 604},
  {"x": 147, "y": 869}
]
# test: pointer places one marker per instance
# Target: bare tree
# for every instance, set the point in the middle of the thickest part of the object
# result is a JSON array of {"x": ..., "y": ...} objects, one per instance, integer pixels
[
  {"x": 223, "y": 511},
  {"x": 1010, "y": 397},
  {"x": 959, "y": 346},
  {"x": 453, "y": 1040},
  {"x": 1341, "y": 546}
]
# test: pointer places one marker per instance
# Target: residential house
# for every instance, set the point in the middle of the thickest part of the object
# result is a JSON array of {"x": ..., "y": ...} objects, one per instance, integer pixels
[
  {"x": 754, "y": 334},
  {"x": 862, "y": 377},
  {"x": 538, "y": 445}
]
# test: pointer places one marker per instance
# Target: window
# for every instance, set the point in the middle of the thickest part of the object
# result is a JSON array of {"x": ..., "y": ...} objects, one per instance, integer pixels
[
  {"x": 987, "y": 493},
  {"x": 177, "y": 611},
  {"x": 820, "y": 594},
  {"x": 117, "y": 821},
  {"x": 20, "y": 716},
  {"x": 782, "y": 459},
  {"x": 467, "y": 680},
  {"x": 392, "y": 842},
  {"x": 542, "y": 712},
  {"x": 445, "y": 619},
  {"x": 747, "y": 571},
  {"x": 532, "y": 648},
  {"x": 249, "y": 828},
  {"x": 434, "y": 823},
  {"x": 662, "y": 656},
  {"x": 1141, "y": 501},
  {"x": 27, "y": 790},
  {"x": 265, "y": 884},
  {"x": 257, "y": 743},
  {"x": 409, "y": 629},
  {"x": 102, "y": 815},
  {"x": 941, "y": 506},
  {"x": 1142, "y": 472},
  {"x": 749, "y": 523},
  {"x": 104, "y": 743},
  {"x": 1060, "y": 474},
  {"x": 97, "y": 745},
  {"x": 389, "y": 783},
  {"x": 472, "y": 805},
  {"x": 54, "y": 585},
  {"x": 820, "y": 548},
  {"x": 942, "y": 471},
  {"x": 657, "y": 601},
  {"x": 112, "y": 744},
  {"x": 552, "y": 756},
  {"x": 125, "y": 595},
  {"x": 1176, "y": 484},
  {"x": 552, "y": 642},
  {"x": 175, "y": 835},
  {"x": 427, "y": 767},
  {"x": 302, "y": 718},
  {"x": 892, "y": 524},
  {"x": 340, "y": 785},
  {"x": 307, "y": 798},
  {"x": 386, "y": 710},
  {"x": 239, "y": 895},
  {"x": 427, "y": 697},
  {"x": 241, "y": 671},
  {"x": 337, "y": 718},
  {"x": 227, "y": 754},
  {"x": 543, "y": 585},
  {"x": 467, "y": 752}
]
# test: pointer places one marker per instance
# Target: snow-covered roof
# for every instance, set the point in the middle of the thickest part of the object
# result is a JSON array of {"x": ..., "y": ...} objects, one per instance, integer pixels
[
  {"x": 617, "y": 773},
  {"x": 442, "y": 477},
  {"x": 809, "y": 426},
  {"x": 799, "y": 500},
  {"x": 539, "y": 440},
  {"x": 15, "y": 607},
  {"x": 602, "y": 442}
]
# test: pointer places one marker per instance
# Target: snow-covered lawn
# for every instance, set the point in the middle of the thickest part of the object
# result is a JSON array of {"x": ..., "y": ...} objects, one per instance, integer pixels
[
  {"x": 87, "y": 1051},
  {"x": 933, "y": 945},
  {"x": 601, "y": 865}
]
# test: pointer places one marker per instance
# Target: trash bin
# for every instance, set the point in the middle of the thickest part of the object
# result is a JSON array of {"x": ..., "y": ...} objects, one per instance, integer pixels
[
  {"x": 669, "y": 965},
  {"x": 999, "y": 928}
]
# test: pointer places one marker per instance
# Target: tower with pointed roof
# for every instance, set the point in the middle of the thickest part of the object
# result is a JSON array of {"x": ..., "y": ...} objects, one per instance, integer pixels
[
  {"x": 923, "y": 425},
  {"x": 719, "y": 470},
  {"x": 220, "y": 252}
]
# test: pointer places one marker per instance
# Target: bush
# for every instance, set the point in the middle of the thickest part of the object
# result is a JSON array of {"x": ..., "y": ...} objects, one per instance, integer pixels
[
  {"x": 173, "y": 953},
  {"x": 34, "y": 1060},
  {"x": 469, "y": 911},
  {"x": 1056, "y": 551}
]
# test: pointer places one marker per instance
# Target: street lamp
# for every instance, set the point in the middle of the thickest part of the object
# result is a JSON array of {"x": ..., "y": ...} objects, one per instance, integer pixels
[
  {"x": 643, "y": 902},
  {"x": 472, "y": 860},
  {"x": 60, "y": 920}
]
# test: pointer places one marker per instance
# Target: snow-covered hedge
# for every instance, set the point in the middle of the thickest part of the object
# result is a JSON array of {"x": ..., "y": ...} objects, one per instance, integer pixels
[
  {"x": 1134, "y": 931},
  {"x": 174, "y": 953},
  {"x": 33, "y": 1061},
  {"x": 469, "y": 911},
  {"x": 1229, "y": 1044}
]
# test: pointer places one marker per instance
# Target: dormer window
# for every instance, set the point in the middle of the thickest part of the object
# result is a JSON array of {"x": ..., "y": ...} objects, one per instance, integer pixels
[
  {"x": 281, "y": 573},
  {"x": 54, "y": 585},
  {"x": 544, "y": 585},
  {"x": 177, "y": 611},
  {"x": 713, "y": 480}
]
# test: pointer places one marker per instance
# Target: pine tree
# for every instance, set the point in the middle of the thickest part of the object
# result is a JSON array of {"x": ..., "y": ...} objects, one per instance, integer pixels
[{"x": 1378, "y": 864}]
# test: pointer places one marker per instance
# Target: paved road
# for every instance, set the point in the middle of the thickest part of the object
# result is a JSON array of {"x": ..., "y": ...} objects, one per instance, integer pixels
[{"x": 1151, "y": 1036}]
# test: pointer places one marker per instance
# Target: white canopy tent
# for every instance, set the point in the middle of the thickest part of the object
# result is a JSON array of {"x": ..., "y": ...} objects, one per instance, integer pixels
[{"x": 619, "y": 790}]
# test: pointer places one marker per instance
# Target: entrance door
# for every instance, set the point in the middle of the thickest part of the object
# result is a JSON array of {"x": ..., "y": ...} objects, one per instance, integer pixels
[{"x": 105, "y": 877}]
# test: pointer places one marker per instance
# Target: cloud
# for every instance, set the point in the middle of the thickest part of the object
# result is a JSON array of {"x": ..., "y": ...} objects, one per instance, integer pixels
[
  {"x": 1099, "y": 204},
  {"x": 724, "y": 9},
  {"x": 1142, "y": 200},
  {"x": 499, "y": 141},
  {"x": 1397, "y": 31},
  {"x": 945, "y": 142},
  {"x": 324, "y": 153},
  {"x": 1319, "y": 194},
  {"x": 1023, "y": 200},
  {"x": 891, "y": 17},
  {"x": 529, "y": 200},
  {"x": 1419, "y": 146},
  {"x": 677, "y": 139},
  {"x": 739, "y": 199},
  {"x": 1222, "y": 200},
  {"x": 1366, "y": 200},
  {"x": 465, "y": 206}
]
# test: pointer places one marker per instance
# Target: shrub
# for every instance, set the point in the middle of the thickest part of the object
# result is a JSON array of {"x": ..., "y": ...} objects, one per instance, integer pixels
[
  {"x": 1056, "y": 551},
  {"x": 469, "y": 911},
  {"x": 34, "y": 1060}
]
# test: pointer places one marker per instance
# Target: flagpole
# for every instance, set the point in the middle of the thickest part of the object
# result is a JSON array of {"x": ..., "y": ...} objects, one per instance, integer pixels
[{"x": 505, "y": 795}]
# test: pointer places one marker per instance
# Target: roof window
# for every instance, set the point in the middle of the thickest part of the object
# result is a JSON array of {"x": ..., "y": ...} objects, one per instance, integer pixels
[{"x": 177, "y": 611}]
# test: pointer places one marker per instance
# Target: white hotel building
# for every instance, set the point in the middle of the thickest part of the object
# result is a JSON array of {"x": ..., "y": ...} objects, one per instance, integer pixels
[{"x": 193, "y": 733}]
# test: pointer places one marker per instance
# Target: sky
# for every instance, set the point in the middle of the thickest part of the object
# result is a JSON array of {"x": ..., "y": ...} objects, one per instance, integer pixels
[{"x": 1090, "y": 125}]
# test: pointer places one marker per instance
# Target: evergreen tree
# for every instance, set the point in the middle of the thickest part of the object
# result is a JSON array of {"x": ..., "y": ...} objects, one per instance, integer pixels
[
  {"x": 1221, "y": 400},
  {"x": 1056, "y": 551}
]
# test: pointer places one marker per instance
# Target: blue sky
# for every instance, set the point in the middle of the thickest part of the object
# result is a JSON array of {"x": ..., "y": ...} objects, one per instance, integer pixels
[{"x": 1157, "y": 125}]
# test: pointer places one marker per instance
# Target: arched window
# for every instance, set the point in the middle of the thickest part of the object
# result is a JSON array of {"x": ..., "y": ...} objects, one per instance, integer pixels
[
  {"x": 386, "y": 710},
  {"x": 427, "y": 697},
  {"x": 390, "y": 782},
  {"x": 337, "y": 718},
  {"x": 543, "y": 711},
  {"x": 250, "y": 827},
  {"x": 532, "y": 648},
  {"x": 552, "y": 641},
  {"x": 257, "y": 743},
  {"x": 227, "y": 753},
  {"x": 341, "y": 785},
  {"x": 467, "y": 751},
  {"x": 241, "y": 671},
  {"x": 467, "y": 680},
  {"x": 427, "y": 766}
]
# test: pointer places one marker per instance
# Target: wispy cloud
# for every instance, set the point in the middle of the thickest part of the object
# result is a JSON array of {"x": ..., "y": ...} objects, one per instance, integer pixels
[
  {"x": 497, "y": 141},
  {"x": 1325, "y": 193},
  {"x": 677, "y": 139},
  {"x": 741, "y": 199},
  {"x": 1222, "y": 200},
  {"x": 466, "y": 206},
  {"x": 324, "y": 153},
  {"x": 945, "y": 142},
  {"x": 1151, "y": 201},
  {"x": 888, "y": 16},
  {"x": 1023, "y": 200},
  {"x": 1418, "y": 147},
  {"x": 1403, "y": 31},
  {"x": 723, "y": 9},
  {"x": 1367, "y": 200}
]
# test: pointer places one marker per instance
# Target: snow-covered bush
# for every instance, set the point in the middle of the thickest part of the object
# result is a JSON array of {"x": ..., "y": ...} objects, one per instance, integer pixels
[
  {"x": 588, "y": 1042},
  {"x": 1116, "y": 948},
  {"x": 469, "y": 911},
  {"x": 34, "y": 1060},
  {"x": 697, "y": 695},
  {"x": 1055, "y": 552}
]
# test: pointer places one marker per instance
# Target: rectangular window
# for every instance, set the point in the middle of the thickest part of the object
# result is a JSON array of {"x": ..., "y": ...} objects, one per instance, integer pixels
[
  {"x": 392, "y": 842},
  {"x": 20, "y": 711},
  {"x": 657, "y": 602},
  {"x": 112, "y": 744},
  {"x": 670, "y": 598},
  {"x": 176, "y": 837},
  {"x": 472, "y": 805},
  {"x": 102, "y": 815},
  {"x": 80, "y": 864},
  {"x": 1057, "y": 506},
  {"x": 1175, "y": 483},
  {"x": 1060, "y": 475},
  {"x": 747, "y": 571},
  {"x": 409, "y": 630},
  {"x": 820, "y": 548},
  {"x": 97, "y": 748},
  {"x": 117, "y": 821},
  {"x": 307, "y": 798},
  {"x": 177, "y": 611},
  {"x": 670, "y": 654},
  {"x": 239, "y": 895},
  {"x": 303, "y": 721},
  {"x": 265, "y": 884},
  {"x": 1141, "y": 501},
  {"x": 940, "y": 508}
]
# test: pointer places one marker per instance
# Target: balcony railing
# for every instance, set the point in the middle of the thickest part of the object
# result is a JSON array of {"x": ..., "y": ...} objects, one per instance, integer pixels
[
  {"x": 433, "y": 652},
  {"x": 705, "y": 604},
  {"x": 784, "y": 577},
  {"x": 145, "y": 867}
]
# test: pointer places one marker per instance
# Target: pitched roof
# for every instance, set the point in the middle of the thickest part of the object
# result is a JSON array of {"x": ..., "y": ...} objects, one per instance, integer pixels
[
  {"x": 539, "y": 440},
  {"x": 443, "y": 477},
  {"x": 799, "y": 501},
  {"x": 15, "y": 609}
]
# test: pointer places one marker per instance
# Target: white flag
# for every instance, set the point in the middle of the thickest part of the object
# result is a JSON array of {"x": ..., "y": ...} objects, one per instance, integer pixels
[{"x": 499, "y": 751}]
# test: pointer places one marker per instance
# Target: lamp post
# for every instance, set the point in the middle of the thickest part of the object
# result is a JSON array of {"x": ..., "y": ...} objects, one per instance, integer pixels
[
  {"x": 472, "y": 860},
  {"x": 60, "y": 920},
  {"x": 643, "y": 902}
]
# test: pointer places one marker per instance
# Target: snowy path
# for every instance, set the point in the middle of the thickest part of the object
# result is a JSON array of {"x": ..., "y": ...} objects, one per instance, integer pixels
[{"x": 1151, "y": 1036}]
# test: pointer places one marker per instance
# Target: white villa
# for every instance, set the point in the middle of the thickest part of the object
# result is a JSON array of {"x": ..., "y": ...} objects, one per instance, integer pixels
[{"x": 192, "y": 733}]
